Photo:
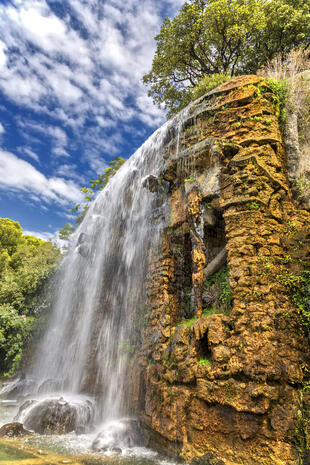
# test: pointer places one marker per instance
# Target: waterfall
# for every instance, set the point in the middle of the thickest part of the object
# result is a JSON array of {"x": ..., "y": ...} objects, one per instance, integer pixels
[{"x": 100, "y": 295}]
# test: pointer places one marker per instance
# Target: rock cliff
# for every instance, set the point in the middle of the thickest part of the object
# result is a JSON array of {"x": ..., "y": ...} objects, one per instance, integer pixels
[{"x": 224, "y": 360}]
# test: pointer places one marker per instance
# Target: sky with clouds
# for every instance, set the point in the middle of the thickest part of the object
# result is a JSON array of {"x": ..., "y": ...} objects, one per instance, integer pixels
[{"x": 71, "y": 98}]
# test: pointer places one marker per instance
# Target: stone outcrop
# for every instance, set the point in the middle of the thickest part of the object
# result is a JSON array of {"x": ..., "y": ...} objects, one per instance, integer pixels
[
  {"x": 56, "y": 415},
  {"x": 226, "y": 382},
  {"x": 14, "y": 430}
]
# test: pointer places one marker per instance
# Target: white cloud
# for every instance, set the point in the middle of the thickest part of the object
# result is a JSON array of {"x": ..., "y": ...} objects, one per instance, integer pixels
[
  {"x": 2, "y": 54},
  {"x": 27, "y": 151},
  {"x": 19, "y": 175},
  {"x": 65, "y": 65},
  {"x": 46, "y": 236},
  {"x": 2, "y": 130},
  {"x": 70, "y": 171},
  {"x": 58, "y": 136},
  {"x": 87, "y": 82}
]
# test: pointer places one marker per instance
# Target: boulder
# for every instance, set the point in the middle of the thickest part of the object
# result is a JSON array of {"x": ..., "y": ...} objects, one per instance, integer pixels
[
  {"x": 49, "y": 385},
  {"x": 14, "y": 430},
  {"x": 151, "y": 183},
  {"x": 19, "y": 387},
  {"x": 118, "y": 434},
  {"x": 56, "y": 415}
]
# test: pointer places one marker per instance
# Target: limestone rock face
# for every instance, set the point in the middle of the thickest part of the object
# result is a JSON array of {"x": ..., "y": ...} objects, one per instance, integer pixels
[{"x": 226, "y": 383}]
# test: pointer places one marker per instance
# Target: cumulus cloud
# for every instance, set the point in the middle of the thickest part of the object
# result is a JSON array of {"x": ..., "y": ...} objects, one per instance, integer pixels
[
  {"x": 83, "y": 65},
  {"x": 75, "y": 68},
  {"x": 44, "y": 58},
  {"x": 18, "y": 175}
]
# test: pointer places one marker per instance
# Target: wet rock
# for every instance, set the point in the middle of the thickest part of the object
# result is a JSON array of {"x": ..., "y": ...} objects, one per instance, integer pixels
[
  {"x": 207, "y": 459},
  {"x": 14, "y": 430},
  {"x": 56, "y": 415},
  {"x": 151, "y": 183},
  {"x": 83, "y": 250},
  {"x": 209, "y": 217},
  {"x": 117, "y": 450},
  {"x": 118, "y": 434},
  {"x": 82, "y": 238},
  {"x": 20, "y": 387},
  {"x": 48, "y": 386}
]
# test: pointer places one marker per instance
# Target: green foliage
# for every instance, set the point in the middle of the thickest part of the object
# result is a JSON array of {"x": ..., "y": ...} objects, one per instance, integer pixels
[
  {"x": 187, "y": 322},
  {"x": 204, "y": 362},
  {"x": 212, "y": 311},
  {"x": 219, "y": 282},
  {"x": 301, "y": 426},
  {"x": 25, "y": 264},
  {"x": 287, "y": 28},
  {"x": 300, "y": 287},
  {"x": 66, "y": 231},
  {"x": 303, "y": 184},
  {"x": 208, "y": 83},
  {"x": 221, "y": 38},
  {"x": 89, "y": 193},
  {"x": 206, "y": 312},
  {"x": 280, "y": 89},
  {"x": 15, "y": 331},
  {"x": 190, "y": 179},
  {"x": 254, "y": 206}
]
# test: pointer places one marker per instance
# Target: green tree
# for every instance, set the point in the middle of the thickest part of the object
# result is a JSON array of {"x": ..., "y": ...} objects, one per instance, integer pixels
[
  {"x": 221, "y": 37},
  {"x": 89, "y": 194},
  {"x": 25, "y": 264},
  {"x": 66, "y": 231},
  {"x": 287, "y": 28}
]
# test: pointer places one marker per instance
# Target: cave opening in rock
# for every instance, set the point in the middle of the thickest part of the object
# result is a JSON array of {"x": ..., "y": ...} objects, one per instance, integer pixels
[{"x": 204, "y": 351}]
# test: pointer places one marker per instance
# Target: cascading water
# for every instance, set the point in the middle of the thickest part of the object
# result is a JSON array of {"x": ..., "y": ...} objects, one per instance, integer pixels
[{"x": 100, "y": 293}]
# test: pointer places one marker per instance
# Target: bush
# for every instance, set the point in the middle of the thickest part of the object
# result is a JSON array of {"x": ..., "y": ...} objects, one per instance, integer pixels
[{"x": 208, "y": 83}]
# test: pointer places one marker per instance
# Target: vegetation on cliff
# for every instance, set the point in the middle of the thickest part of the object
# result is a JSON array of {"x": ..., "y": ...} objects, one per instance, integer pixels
[
  {"x": 96, "y": 185},
  {"x": 25, "y": 264},
  {"x": 221, "y": 38}
]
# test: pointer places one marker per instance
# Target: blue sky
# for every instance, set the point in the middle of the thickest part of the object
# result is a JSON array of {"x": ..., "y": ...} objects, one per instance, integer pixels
[{"x": 71, "y": 98}]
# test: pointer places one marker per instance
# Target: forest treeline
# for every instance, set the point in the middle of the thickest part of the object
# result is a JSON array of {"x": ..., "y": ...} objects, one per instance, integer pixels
[{"x": 26, "y": 262}]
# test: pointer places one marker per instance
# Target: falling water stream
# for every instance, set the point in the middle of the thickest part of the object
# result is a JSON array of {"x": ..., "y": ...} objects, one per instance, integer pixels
[{"x": 83, "y": 356}]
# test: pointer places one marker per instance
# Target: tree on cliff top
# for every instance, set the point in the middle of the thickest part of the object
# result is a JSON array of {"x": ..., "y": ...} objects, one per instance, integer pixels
[{"x": 222, "y": 37}]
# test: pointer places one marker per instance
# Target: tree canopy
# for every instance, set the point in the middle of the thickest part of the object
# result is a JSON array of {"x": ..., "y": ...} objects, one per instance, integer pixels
[
  {"x": 222, "y": 37},
  {"x": 25, "y": 264}
]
